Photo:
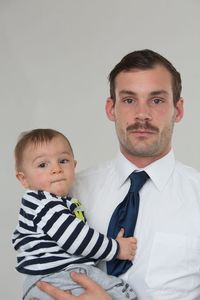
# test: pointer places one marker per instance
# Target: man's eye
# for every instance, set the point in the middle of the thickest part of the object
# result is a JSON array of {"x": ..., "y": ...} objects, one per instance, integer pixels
[
  {"x": 157, "y": 101},
  {"x": 42, "y": 165},
  {"x": 64, "y": 161},
  {"x": 128, "y": 100}
]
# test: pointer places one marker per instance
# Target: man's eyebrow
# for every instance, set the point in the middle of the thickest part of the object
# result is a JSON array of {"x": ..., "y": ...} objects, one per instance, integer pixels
[
  {"x": 153, "y": 93},
  {"x": 127, "y": 92},
  {"x": 159, "y": 92}
]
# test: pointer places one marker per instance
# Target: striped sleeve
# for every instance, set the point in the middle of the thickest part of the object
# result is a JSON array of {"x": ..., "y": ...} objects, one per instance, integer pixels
[{"x": 71, "y": 234}]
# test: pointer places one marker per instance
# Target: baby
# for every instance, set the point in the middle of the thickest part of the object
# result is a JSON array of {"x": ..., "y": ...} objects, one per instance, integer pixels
[{"x": 52, "y": 237}]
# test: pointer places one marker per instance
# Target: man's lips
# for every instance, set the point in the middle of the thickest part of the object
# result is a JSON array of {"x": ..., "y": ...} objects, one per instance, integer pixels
[
  {"x": 142, "y": 129},
  {"x": 143, "y": 134}
]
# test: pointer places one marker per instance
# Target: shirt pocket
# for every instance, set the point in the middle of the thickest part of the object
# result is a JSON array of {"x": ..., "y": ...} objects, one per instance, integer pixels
[{"x": 174, "y": 265}]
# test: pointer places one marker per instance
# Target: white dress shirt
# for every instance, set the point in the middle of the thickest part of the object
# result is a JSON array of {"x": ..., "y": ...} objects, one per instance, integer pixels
[{"x": 167, "y": 261}]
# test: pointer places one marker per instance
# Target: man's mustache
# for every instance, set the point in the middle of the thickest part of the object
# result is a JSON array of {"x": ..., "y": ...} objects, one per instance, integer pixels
[{"x": 143, "y": 125}]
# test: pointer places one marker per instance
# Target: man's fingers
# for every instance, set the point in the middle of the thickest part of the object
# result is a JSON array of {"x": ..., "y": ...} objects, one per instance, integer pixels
[
  {"x": 84, "y": 281},
  {"x": 51, "y": 290}
]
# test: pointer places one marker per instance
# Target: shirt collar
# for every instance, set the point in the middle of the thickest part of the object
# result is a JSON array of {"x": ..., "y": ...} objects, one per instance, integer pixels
[{"x": 159, "y": 171}]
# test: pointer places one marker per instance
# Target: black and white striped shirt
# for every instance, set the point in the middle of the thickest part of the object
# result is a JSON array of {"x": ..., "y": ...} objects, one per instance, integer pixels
[{"x": 52, "y": 234}]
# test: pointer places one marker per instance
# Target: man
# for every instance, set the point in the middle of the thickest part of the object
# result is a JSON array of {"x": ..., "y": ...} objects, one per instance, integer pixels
[{"x": 145, "y": 102}]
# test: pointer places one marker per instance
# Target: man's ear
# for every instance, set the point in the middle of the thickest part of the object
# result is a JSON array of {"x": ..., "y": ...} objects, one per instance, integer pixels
[
  {"x": 75, "y": 163},
  {"x": 22, "y": 178},
  {"x": 179, "y": 110},
  {"x": 109, "y": 108}
]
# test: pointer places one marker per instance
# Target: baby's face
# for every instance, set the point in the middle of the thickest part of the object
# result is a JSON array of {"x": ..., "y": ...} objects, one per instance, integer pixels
[{"x": 49, "y": 167}]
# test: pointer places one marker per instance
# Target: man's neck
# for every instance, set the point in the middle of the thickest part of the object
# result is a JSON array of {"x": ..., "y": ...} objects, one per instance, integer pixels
[{"x": 142, "y": 162}]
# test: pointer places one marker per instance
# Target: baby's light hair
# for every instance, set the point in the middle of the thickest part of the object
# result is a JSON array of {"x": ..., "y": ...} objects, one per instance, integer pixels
[{"x": 34, "y": 137}]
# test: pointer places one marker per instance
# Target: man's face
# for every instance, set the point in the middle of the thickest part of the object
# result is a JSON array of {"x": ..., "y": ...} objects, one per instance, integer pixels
[{"x": 144, "y": 113}]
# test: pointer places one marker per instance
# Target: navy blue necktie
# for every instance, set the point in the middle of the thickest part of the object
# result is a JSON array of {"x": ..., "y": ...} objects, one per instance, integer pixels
[{"x": 125, "y": 216}]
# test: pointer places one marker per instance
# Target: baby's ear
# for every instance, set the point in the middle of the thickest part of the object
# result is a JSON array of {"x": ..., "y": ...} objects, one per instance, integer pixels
[{"x": 22, "y": 178}]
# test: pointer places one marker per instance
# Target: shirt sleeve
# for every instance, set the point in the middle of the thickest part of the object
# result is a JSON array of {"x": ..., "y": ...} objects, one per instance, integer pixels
[{"x": 70, "y": 233}]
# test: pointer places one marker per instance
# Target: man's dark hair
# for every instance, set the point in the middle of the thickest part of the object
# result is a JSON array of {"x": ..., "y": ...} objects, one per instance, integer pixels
[{"x": 143, "y": 60}]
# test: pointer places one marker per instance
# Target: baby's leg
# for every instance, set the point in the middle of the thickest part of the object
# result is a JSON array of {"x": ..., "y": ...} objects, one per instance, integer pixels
[
  {"x": 60, "y": 279},
  {"x": 116, "y": 287}
]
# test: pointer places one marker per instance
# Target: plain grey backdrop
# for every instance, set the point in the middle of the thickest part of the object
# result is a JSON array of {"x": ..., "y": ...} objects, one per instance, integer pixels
[{"x": 55, "y": 57}]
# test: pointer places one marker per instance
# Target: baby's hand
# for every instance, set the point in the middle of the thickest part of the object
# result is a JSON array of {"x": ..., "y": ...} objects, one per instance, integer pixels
[{"x": 127, "y": 246}]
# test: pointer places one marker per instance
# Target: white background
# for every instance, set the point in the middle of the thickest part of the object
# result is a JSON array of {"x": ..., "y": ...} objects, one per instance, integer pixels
[{"x": 55, "y": 57}]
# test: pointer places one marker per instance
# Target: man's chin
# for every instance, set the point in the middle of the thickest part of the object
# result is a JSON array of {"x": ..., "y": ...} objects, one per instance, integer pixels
[{"x": 143, "y": 151}]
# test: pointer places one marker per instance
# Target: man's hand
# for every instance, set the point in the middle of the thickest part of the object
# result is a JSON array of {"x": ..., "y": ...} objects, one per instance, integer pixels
[{"x": 92, "y": 289}]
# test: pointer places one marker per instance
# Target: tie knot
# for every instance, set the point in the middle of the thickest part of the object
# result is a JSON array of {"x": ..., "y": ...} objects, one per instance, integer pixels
[{"x": 138, "y": 179}]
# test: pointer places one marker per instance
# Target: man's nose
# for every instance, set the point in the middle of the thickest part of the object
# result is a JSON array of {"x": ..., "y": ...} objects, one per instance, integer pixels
[{"x": 143, "y": 112}]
